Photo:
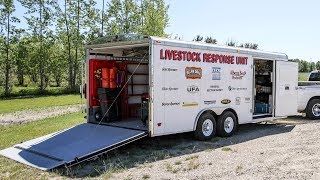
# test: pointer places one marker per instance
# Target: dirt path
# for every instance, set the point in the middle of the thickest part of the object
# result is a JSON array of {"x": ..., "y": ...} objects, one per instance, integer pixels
[
  {"x": 37, "y": 114},
  {"x": 286, "y": 150}
]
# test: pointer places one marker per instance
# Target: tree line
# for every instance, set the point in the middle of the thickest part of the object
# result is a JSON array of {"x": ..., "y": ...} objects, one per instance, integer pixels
[
  {"x": 307, "y": 66},
  {"x": 304, "y": 66},
  {"x": 211, "y": 40},
  {"x": 49, "y": 50}
]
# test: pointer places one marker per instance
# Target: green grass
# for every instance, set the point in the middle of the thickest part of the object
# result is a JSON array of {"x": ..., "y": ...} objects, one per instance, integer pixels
[
  {"x": 12, "y": 105},
  {"x": 226, "y": 149},
  {"x": 304, "y": 76},
  {"x": 192, "y": 157},
  {"x": 11, "y": 135}
]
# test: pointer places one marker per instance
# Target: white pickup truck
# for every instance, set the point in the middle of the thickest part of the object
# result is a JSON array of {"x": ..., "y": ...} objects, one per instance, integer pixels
[{"x": 309, "y": 98}]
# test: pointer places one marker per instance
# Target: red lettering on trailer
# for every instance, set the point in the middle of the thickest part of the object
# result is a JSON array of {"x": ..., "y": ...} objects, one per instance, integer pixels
[
  {"x": 161, "y": 54},
  {"x": 180, "y": 55},
  {"x": 242, "y": 60},
  {"x": 189, "y": 58},
  {"x": 224, "y": 59},
  {"x": 214, "y": 58},
  {"x": 198, "y": 57},
  {"x": 167, "y": 54},
  {"x": 184, "y": 55}
]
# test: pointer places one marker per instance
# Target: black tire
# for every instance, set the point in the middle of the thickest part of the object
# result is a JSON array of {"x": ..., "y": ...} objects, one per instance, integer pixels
[
  {"x": 221, "y": 131},
  {"x": 199, "y": 133},
  {"x": 97, "y": 116},
  {"x": 309, "y": 109}
]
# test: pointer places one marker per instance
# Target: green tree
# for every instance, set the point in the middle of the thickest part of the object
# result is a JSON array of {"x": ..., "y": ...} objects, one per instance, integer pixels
[
  {"x": 231, "y": 43},
  {"x": 312, "y": 66},
  {"x": 198, "y": 38},
  {"x": 21, "y": 54},
  {"x": 249, "y": 45},
  {"x": 6, "y": 22},
  {"x": 78, "y": 21},
  {"x": 155, "y": 18},
  {"x": 123, "y": 17},
  {"x": 304, "y": 66},
  {"x": 318, "y": 65},
  {"x": 41, "y": 13},
  {"x": 57, "y": 63},
  {"x": 210, "y": 40}
]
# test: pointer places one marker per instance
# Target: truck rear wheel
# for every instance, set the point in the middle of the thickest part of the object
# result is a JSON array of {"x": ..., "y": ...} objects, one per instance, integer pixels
[
  {"x": 313, "y": 109},
  {"x": 206, "y": 127},
  {"x": 227, "y": 124}
]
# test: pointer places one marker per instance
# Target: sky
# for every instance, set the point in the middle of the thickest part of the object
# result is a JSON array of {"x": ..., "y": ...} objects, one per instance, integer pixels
[{"x": 291, "y": 27}]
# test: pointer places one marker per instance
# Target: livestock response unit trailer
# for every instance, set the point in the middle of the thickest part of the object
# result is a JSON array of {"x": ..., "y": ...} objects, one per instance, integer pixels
[{"x": 151, "y": 86}]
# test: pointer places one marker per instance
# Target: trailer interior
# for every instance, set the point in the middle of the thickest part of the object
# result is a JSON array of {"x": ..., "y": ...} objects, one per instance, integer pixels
[
  {"x": 119, "y": 84},
  {"x": 263, "y": 88}
]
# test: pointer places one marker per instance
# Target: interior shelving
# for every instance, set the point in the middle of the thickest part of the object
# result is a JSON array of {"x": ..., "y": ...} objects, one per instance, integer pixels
[{"x": 263, "y": 99}]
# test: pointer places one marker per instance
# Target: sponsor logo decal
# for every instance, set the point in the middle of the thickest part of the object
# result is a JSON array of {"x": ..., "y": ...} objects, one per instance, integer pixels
[
  {"x": 216, "y": 73},
  {"x": 209, "y": 102},
  {"x": 169, "y": 89},
  {"x": 187, "y": 104},
  {"x": 238, "y": 74},
  {"x": 193, "y": 72},
  {"x": 238, "y": 100},
  {"x": 193, "y": 89},
  {"x": 169, "y": 69},
  {"x": 214, "y": 88},
  {"x": 236, "y": 89},
  {"x": 225, "y": 101},
  {"x": 247, "y": 100},
  {"x": 171, "y": 104}
]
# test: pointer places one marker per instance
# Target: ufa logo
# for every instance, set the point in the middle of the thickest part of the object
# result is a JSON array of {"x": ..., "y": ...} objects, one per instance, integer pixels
[
  {"x": 193, "y": 89},
  {"x": 193, "y": 72}
]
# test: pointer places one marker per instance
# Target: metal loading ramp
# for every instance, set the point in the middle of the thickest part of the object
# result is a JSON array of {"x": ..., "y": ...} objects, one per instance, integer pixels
[{"x": 71, "y": 145}]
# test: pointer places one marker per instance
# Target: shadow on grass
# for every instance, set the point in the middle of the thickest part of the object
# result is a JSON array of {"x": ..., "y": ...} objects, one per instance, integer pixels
[{"x": 139, "y": 153}]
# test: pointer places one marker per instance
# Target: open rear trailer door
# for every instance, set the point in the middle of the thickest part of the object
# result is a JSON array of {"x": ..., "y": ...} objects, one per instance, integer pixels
[
  {"x": 286, "y": 88},
  {"x": 72, "y": 145}
]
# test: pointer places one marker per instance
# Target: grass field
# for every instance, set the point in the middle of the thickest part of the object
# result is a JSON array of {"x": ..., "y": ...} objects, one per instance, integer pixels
[
  {"x": 11, "y": 135},
  {"x": 12, "y": 105},
  {"x": 304, "y": 76}
]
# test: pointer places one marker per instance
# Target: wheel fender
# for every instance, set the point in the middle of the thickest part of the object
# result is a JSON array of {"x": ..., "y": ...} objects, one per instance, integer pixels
[
  {"x": 314, "y": 97},
  {"x": 216, "y": 110}
]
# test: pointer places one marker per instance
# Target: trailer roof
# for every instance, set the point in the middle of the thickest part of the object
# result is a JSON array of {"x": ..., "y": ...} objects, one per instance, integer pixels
[
  {"x": 141, "y": 41},
  {"x": 257, "y": 54},
  {"x": 106, "y": 43}
]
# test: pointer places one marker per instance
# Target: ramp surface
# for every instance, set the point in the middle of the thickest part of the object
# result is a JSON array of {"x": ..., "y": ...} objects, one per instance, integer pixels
[{"x": 70, "y": 145}]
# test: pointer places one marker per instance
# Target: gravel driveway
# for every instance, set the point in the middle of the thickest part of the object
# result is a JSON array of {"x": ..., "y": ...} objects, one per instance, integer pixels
[
  {"x": 289, "y": 149},
  {"x": 36, "y": 114}
]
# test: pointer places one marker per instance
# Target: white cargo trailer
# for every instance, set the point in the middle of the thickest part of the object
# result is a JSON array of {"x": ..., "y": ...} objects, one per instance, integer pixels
[{"x": 153, "y": 86}]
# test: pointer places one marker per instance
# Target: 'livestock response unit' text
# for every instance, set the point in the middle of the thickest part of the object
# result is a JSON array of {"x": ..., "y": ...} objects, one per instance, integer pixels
[{"x": 177, "y": 55}]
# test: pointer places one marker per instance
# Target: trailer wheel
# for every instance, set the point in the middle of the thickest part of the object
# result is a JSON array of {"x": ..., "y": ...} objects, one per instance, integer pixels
[
  {"x": 206, "y": 127},
  {"x": 97, "y": 116},
  {"x": 313, "y": 109},
  {"x": 227, "y": 124}
]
